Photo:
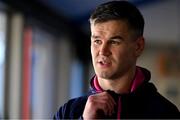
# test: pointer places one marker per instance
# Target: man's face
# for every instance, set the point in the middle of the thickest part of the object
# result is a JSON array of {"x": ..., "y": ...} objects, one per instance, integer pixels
[{"x": 114, "y": 51}]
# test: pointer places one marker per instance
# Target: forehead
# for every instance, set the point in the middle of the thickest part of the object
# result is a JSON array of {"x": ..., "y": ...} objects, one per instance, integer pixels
[{"x": 109, "y": 27}]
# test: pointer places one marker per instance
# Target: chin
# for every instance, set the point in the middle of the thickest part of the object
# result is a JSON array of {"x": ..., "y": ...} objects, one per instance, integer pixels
[{"x": 104, "y": 75}]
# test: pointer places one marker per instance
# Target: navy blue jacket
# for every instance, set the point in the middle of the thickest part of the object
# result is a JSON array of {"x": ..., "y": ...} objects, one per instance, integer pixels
[{"x": 145, "y": 102}]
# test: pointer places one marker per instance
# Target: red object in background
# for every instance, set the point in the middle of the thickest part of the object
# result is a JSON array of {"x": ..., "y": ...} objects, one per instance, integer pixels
[{"x": 26, "y": 73}]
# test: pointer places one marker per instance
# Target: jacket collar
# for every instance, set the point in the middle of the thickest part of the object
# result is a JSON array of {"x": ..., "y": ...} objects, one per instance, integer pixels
[{"x": 142, "y": 75}]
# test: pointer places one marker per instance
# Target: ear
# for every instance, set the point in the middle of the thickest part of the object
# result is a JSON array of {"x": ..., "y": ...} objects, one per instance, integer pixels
[{"x": 140, "y": 43}]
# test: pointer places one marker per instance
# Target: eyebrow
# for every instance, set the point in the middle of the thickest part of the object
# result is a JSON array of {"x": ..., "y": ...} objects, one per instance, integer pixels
[
  {"x": 95, "y": 37},
  {"x": 114, "y": 37},
  {"x": 117, "y": 37}
]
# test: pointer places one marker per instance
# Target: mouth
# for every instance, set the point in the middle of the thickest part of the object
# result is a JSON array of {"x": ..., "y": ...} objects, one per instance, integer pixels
[{"x": 104, "y": 62}]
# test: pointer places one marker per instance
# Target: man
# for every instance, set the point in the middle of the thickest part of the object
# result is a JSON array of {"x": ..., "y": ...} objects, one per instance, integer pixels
[{"x": 120, "y": 89}]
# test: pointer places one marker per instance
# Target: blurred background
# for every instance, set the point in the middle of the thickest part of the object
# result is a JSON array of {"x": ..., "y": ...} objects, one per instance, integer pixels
[{"x": 45, "y": 52}]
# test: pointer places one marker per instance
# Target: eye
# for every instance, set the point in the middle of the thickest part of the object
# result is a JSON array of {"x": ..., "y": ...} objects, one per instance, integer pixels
[
  {"x": 97, "y": 42},
  {"x": 114, "y": 42}
]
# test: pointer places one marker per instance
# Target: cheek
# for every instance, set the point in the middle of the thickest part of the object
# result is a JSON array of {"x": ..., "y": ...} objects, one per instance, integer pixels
[
  {"x": 125, "y": 54},
  {"x": 93, "y": 52},
  {"x": 131, "y": 56},
  {"x": 94, "y": 49}
]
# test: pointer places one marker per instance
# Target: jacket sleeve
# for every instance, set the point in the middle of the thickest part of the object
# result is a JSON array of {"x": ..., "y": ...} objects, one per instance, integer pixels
[
  {"x": 73, "y": 109},
  {"x": 60, "y": 114}
]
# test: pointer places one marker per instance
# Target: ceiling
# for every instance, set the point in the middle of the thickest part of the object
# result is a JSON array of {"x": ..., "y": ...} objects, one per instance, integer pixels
[
  {"x": 71, "y": 12},
  {"x": 78, "y": 11}
]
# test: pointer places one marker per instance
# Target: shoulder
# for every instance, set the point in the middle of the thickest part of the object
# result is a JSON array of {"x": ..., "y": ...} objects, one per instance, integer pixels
[
  {"x": 164, "y": 104},
  {"x": 72, "y": 109},
  {"x": 158, "y": 103}
]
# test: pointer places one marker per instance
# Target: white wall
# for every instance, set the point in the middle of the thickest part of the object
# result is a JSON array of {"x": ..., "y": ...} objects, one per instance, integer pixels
[{"x": 162, "y": 21}]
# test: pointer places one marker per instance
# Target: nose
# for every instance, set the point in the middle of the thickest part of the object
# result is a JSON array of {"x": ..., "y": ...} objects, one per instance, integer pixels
[{"x": 104, "y": 50}]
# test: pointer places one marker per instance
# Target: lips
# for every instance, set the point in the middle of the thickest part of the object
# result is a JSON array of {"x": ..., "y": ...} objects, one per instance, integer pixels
[{"x": 104, "y": 61}]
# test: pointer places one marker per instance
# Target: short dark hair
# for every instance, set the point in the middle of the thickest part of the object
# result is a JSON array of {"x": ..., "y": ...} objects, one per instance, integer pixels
[{"x": 120, "y": 10}]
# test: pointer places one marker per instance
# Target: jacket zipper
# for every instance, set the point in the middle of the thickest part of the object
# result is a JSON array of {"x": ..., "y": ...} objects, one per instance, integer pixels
[{"x": 119, "y": 109}]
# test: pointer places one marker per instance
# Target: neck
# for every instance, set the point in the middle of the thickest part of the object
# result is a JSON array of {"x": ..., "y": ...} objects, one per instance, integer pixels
[{"x": 120, "y": 85}]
